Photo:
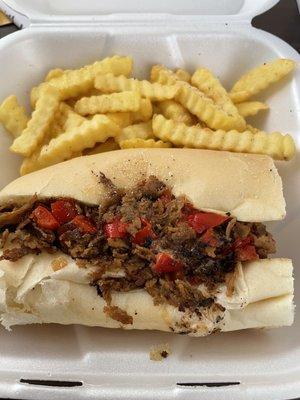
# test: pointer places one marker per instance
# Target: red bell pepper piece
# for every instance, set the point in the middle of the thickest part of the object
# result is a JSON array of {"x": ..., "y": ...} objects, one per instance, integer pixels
[
  {"x": 166, "y": 263},
  {"x": 145, "y": 233},
  {"x": 242, "y": 242},
  {"x": 245, "y": 250},
  {"x": 64, "y": 210},
  {"x": 209, "y": 238},
  {"x": 201, "y": 221},
  {"x": 84, "y": 224},
  {"x": 44, "y": 218},
  {"x": 247, "y": 253},
  {"x": 115, "y": 229}
]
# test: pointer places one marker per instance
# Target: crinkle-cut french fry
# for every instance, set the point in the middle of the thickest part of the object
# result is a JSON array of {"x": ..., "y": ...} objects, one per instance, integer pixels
[
  {"x": 252, "y": 129},
  {"x": 39, "y": 124},
  {"x": 56, "y": 126},
  {"x": 90, "y": 132},
  {"x": 197, "y": 102},
  {"x": 250, "y": 108},
  {"x": 34, "y": 94},
  {"x": 163, "y": 75},
  {"x": 109, "y": 145},
  {"x": 206, "y": 110},
  {"x": 65, "y": 118},
  {"x": 76, "y": 82},
  {"x": 144, "y": 113},
  {"x": 141, "y": 131},
  {"x": 143, "y": 143},
  {"x": 122, "y": 119},
  {"x": 91, "y": 92},
  {"x": 114, "y": 102},
  {"x": 276, "y": 145},
  {"x": 13, "y": 116},
  {"x": 70, "y": 119},
  {"x": 54, "y": 73},
  {"x": 30, "y": 164},
  {"x": 208, "y": 84},
  {"x": 259, "y": 78},
  {"x": 173, "y": 110},
  {"x": 239, "y": 97},
  {"x": 109, "y": 83},
  {"x": 183, "y": 75},
  {"x": 69, "y": 85}
]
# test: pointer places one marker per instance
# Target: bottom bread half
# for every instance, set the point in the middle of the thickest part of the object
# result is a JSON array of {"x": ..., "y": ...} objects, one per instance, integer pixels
[{"x": 32, "y": 292}]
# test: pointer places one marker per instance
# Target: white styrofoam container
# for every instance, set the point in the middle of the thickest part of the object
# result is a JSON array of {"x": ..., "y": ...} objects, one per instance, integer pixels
[{"x": 114, "y": 364}]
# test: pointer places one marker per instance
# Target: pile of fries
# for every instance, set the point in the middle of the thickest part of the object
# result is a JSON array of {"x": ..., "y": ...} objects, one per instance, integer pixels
[{"x": 99, "y": 108}]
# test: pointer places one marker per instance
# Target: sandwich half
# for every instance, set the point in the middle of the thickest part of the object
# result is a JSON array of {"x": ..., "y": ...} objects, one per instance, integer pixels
[{"x": 164, "y": 239}]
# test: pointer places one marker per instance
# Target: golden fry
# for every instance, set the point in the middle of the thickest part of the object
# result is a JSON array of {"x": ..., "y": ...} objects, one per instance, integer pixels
[
  {"x": 183, "y": 75},
  {"x": 109, "y": 145},
  {"x": 143, "y": 143},
  {"x": 276, "y": 145},
  {"x": 13, "y": 116},
  {"x": 76, "y": 82},
  {"x": 54, "y": 73},
  {"x": 163, "y": 75},
  {"x": 90, "y": 132},
  {"x": 69, "y": 118},
  {"x": 34, "y": 94},
  {"x": 56, "y": 126},
  {"x": 141, "y": 131},
  {"x": 197, "y": 102},
  {"x": 259, "y": 78},
  {"x": 115, "y": 102},
  {"x": 250, "y": 108},
  {"x": 65, "y": 119},
  {"x": 252, "y": 129},
  {"x": 173, "y": 110},
  {"x": 206, "y": 110},
  {"x": 166, "y": 76},
  {"x": 30, "y": 164},
  {"x": 239, "y": 97},
  {"x": 144, "y": 113},
  {"x": 109, "y": 83},
  {"x": 122, "y": 119},
  {"x": 208, "y": 84},
  {"x": 39, "y": 124}
]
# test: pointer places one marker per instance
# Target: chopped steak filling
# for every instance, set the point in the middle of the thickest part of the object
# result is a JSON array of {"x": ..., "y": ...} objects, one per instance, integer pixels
[{"x": 162, "y": 243}]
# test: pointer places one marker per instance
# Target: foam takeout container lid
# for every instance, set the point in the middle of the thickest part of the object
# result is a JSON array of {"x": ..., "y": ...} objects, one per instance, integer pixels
[
  {"x": 95, "y": 363},
  {"x": 119, "y": 10}
]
